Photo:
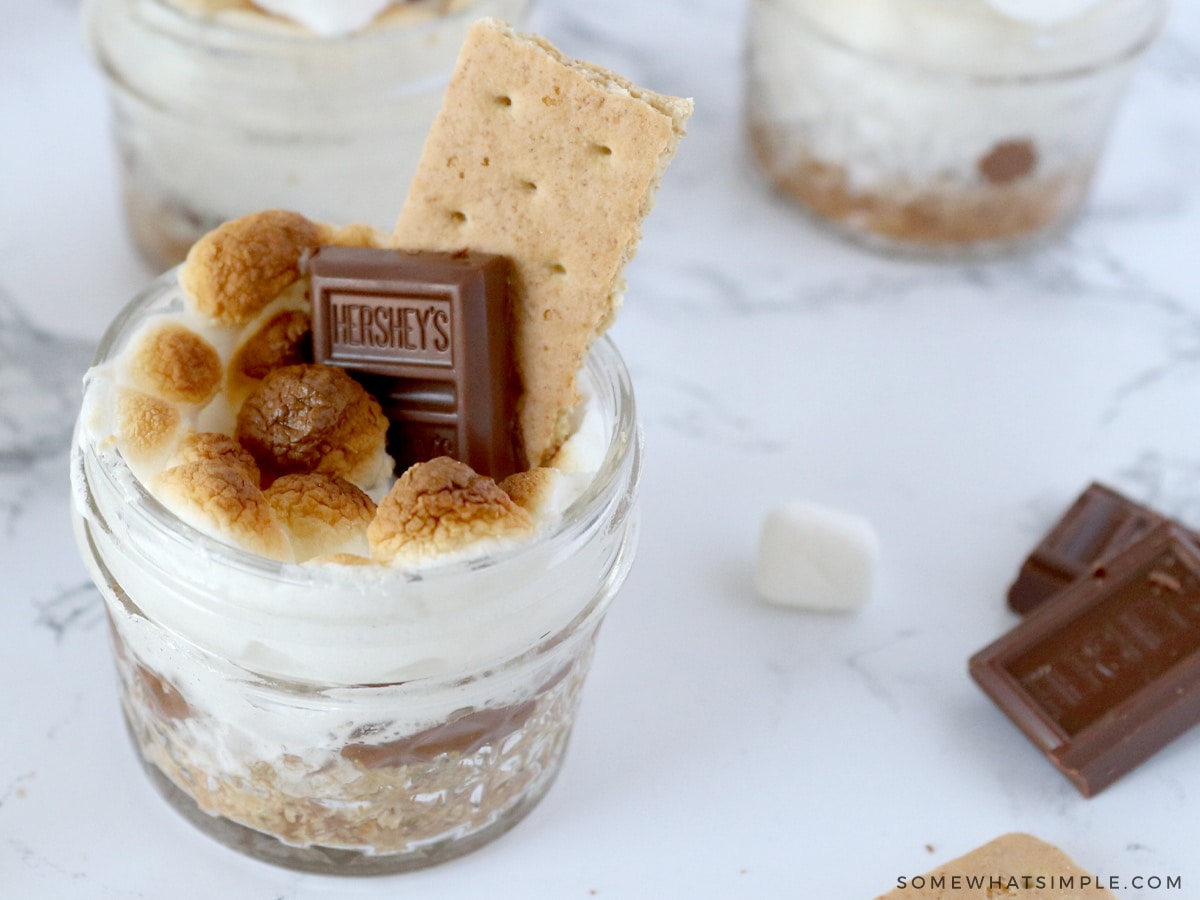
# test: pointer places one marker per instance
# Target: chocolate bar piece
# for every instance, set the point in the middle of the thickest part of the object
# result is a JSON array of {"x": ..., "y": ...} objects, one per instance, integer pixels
[
  {"x": 430, "y": 335},
  {"x": 1109, "y": 672},
  {"x": 1099, "y": 523}
]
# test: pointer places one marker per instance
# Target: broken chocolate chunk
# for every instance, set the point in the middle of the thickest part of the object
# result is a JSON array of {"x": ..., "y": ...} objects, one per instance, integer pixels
[
  {"x": 1098, "y": 524},
  {"x": 1108, "y": 672}
]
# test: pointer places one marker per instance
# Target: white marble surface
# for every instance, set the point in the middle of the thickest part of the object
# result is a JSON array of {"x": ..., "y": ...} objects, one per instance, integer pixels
[{"x": 725, "y": 749}]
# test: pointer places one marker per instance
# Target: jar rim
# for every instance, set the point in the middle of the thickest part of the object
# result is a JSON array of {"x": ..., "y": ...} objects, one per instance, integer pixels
[{"x": 210, "y": 29}]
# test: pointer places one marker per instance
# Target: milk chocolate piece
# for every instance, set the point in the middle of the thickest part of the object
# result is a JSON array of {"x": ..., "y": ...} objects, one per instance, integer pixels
[
  {"x": 1009, "y": 160},
  {"x": 430, "y": 335},
  {"x": 1109, "y": 672},
  {"x": 1099, "y": 523},
  {"x": 464, "y": 735}
]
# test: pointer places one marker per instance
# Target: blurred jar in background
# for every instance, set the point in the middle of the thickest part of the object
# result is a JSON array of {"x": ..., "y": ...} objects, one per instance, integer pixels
[
  {"x": 944, "y": 128},
  {"x": 224, "y": 107}
]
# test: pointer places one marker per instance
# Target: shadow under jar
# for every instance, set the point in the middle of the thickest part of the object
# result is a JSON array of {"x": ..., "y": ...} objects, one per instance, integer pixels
[
  {"x": 219, "y": 114},
  {"x": 352, "y": 719},
  {"x": 937, "y": 128}
]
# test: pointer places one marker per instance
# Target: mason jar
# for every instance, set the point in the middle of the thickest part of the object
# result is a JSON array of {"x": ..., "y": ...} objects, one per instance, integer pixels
[
  {"x": 344, "y": 718},
  {"x": 216, "y": 115},
  {"x": 943, "y": 128}
]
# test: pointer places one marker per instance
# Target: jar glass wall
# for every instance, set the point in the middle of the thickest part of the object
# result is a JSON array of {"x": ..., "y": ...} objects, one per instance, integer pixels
[
  {"x": 937, "y": 127},
  {"x": 353, "y": 718},
  {"x": 216, "y": 116}
]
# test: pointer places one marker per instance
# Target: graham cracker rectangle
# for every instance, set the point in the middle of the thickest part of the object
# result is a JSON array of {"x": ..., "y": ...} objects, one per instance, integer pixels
[
  {"x": 553, "y": 163},
  {"x": 1014, "y": 865}
]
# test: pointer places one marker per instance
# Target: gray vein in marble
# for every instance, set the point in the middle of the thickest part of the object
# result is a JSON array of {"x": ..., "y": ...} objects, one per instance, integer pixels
[
  {"x": 1168, "y": 484},
  {"x": 15, "y": 495},
  {"x": 39, "y": 388},
  {"x": 876, "y": 684},
  {"x": 72, "y": 609},
  {"x": 36, "y": 861},
  {"x": 76, "y": 707},
  {"x": 693, "y": 411}
]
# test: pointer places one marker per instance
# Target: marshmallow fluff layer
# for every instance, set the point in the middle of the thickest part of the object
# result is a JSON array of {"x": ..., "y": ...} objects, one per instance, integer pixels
[{"x": 337, "y": 623}]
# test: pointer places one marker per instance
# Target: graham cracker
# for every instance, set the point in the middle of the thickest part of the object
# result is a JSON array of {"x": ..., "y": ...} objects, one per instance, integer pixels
[
  {"x": 553, "y": 163},
  {"x": 1014, "y": 865}
]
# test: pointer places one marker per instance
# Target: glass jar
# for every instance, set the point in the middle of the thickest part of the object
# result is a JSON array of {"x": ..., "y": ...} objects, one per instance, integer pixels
[
  {"x": 352, "y": 719},
  {"x": 216, "y": 116},
  {"x": 940, "y": 128}
]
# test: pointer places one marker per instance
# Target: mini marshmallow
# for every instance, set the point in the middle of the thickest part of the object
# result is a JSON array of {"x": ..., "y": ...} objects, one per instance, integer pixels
[{"x": 816, "y": 558}]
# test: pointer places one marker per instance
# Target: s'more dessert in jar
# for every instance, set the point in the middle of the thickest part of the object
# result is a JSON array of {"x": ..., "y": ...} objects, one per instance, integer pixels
[
  {"x": 357, "y": 502},
  {"x": 221, "y": 108},
  {"x": 945, "y": 128}
]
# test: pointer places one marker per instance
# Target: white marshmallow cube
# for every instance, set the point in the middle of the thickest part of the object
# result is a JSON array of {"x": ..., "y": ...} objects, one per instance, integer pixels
[{"x": 816, "y": 558}]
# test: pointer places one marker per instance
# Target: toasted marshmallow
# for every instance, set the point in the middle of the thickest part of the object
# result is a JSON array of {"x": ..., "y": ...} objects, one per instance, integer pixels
[
  {"x": 314, "y": 418},
  {"x": 149, "y": 429},
  {"x": 441, "y": 507},
  {"x": 356, "y": 235},
  {"x": 213, "y": 446},
  {"x": 544, "y": 492},
  {"x": 218, "y": 499},
  {"x": 171, "y": 361},
  {"x": 236, "y": 269},
  {"x": 322, "y": 515},
  {"x": 277, "y": 337}
]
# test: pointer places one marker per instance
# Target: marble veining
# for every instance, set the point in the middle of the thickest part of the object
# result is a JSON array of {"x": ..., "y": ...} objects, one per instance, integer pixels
[
  {"x": 69, "y": 610},
  {"x": 39, "y": 388}
]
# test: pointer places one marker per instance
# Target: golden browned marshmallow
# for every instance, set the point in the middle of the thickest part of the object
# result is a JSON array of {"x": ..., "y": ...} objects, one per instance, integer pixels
[
  {"x": 313, "y": 418},
  {"x": 220, "y": 500},
  {"x": 280, "y": 341},
  {"x": 210, "y": 445},
  {"x": 441, "y": 506},
  {"x": 148, "y": 427},
  {"x": 553, "y": 163},
  {"x": 171, "y": 361},
  {"x": 322, "y": 515},
  {"x": 530, "y": 490},
  {"x": 357, "y": 235},
  {"x": 1010, "y": 865},
  {"x": 236, "y": 269}
]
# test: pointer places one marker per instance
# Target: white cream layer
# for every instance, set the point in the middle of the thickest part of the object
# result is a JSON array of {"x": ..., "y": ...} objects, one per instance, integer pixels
[{"x": 916, "y": 92}]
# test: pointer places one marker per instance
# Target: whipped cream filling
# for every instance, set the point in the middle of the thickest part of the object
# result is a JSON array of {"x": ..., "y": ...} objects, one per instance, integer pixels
[
  {"x": 1043, "y": 13},
  {"x": 327, "y": 18}
]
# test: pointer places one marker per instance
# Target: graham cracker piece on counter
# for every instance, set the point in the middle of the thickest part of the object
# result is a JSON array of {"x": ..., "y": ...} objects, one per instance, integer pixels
[
  {"x": 553, "y": 163},
  {"x": 1014, "y": 865}
]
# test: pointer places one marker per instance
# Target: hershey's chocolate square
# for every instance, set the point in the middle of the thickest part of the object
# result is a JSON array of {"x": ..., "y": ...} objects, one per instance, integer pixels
[
  {"x": 1109, "y": 671},
  {"x": 430, "y": 335}
]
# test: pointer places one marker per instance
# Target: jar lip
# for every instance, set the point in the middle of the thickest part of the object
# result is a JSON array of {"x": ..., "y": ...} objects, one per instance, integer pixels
[
  {"x": 1127, "y": 52},
  {"x": 289, "y": 35},
  {"x": 603, "y": 364}
]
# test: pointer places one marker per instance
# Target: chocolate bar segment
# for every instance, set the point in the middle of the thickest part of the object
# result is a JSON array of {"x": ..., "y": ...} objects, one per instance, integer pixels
[
  {"x": 1099, "y": 523},
  {"x": 430, "y": 336},
  {"x": 1109, "y": 672}
]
